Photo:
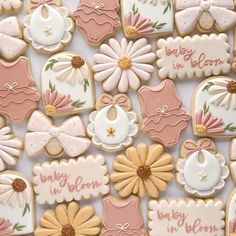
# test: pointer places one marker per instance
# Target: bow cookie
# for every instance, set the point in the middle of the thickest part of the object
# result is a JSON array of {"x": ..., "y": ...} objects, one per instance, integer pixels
[
  {"x": 68, "y": 138},
  {"x": 11, "y": 46},
  {"x": 205, "y": 15}
]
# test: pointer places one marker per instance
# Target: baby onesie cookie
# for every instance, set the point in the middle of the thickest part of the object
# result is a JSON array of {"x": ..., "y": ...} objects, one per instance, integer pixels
[
  {"x": 180, "y": 217},
  {"x": 142, "y": 169},
  {"x": 73, "y": 179},
  {"x": 147, "y": 18},
  {"x": 230, "y": 229},
  {"x": 11, "y": 46},
  {"x": 67, "y": 85},
  {"x": 10, "y": 146},
  {"x": 232, "y": 158},
  {"x": 204, "y": 15},
  {"x": 201, "y": 170},
  {"x": 105, "y": 123},
  {"x": 190, "y": 57},
  {"x": 97, "y": 19},
  {"x": 10, "y": 6},
  {"x": 18, "y": 96},
  {"x": 122, "y": 217},
  {"x": 17, "y": 209},
  {"x": 214, "y": 108},
  {"x": 69, "y": 220},
  {"x": 69, "y": 137},
  {"x": 164, "y": 118},
  {"x": 123, "y": 65},
  {"x": 48, "y": 26}
]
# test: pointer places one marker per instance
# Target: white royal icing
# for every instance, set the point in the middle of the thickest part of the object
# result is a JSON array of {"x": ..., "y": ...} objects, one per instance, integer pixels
[
  {"x": 70, "y": 135},
  {"x": 10, "y": 5},
  {"x": 197, "y": 56},
  {"x": 50, "y": 33},
  {"x": 73, "y": 179},
  {"x": 17, "y": 207},
  {"x": 100, "y": 125},
  {"x": 232, "y": 157},
  {"x": 231, "y": 215},
  {"x": 186, "y": 217}
]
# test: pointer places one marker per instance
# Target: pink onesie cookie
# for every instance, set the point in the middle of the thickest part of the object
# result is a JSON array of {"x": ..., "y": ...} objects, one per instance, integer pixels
[{"x": 18, "y": 96}]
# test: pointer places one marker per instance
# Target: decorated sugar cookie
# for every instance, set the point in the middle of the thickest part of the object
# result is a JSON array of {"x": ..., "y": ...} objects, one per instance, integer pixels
[
  {"x": 123, "y": 65},
  {"x": 10, "y": 146},
  {"x": 180, "y": 217},
  {"x": 201, "y": 171},
  {"x": 105, "y": 123},
  {"x": 232, "y": 158},
  {"x": 97, "y": 19},
  {"x": 67, "y": 85},
  {"x": 147, "y": 18},
  {"x": 48, "y": 26},
  {"x": 190, "y": 57},
  {"x": 142, "y": 169},
  {"x": 69, "y": 137},
  {"x": 204, "y": 15},
  {"x": 164, "y": 118},
  {"x": 73, "y": 179},
  {"x": 17, "y": 209},
  {"x": 11, "y": 46},
  {"x": 69, "y": 220},
  {"x": 214, "y": 107},
  {"x": 122, "y": 217},
  {"x": 230, "y": 229},
  {"x": 10, "y": 6},
  {"x": 18, "y": 96}
]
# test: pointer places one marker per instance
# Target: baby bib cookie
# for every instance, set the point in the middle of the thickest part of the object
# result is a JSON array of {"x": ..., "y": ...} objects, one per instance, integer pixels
[
  {"x": 10, "y": 146},
  {"x": 73, "y": 179},
  {"x": 48, "y": 26},
  {"x": 214, "y": 108},
  {"x": 204, "y": 15},
  {"x": 105, "y": 123},
  {"x": 69, "y": 220},
  {"x": 122, "y": 217},
  {"x": 180, "y": 217},
  {"x": 190, "y": 57},
  {"x": 97, "y": 19},
  {"x": 18, "y": 96},
  {"x": 201, "y": 170},
  {"x": 123, "y": 65},
  {"x": 10, "y": 6},
  {"x": 17, "y": 209},
  {"x": 67, "y": 85},
  {"x": 142, "y": 169},
  {"x": 147, "y": 18},
  {"x": 69, "y": 137},
  {"x": 11, "y": 44},
  {"x": 164, "y": 118}
]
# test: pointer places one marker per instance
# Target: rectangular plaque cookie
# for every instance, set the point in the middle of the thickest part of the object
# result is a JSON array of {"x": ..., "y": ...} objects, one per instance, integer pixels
[
  {"x": 197, "y": 56},
  {"x": 71, "y": 179},
  {"x": 186, "y": 218}
]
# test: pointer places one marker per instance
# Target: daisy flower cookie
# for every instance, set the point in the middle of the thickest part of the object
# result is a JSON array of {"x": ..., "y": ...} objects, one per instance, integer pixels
[
  {"x": 105, "y": 123},
  {"x": 142, "y": 169},
  {"x": 67, "y": 85},
  {"x": 10, "y": 146},
  {"x": 123, "y": 65},
  {"x": 214, "y": 108},
  {"x": 48, "y": 26},
  {"x": 201, "y": 171},
  {"x": 69, "y": 220},
  {"x": 17, "y": 210}
]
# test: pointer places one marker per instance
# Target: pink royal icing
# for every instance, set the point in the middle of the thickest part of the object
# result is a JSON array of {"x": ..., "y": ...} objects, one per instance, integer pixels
[
  {"x": 164, "y": 119},
  {"x": 18, "y": 96},
  {"x": 97, "y": 19},
  {"x": 192, "y": 147},
  {"x": 37, "y": 3},
  {"x": 5, "y": 227}
]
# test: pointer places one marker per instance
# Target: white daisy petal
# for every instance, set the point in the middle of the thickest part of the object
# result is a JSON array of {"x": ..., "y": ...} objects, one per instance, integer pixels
[
  {"x": 63, "y": 74},
  {"x": 129, "y": 48},
  {"x": 13, "y": 199},
  {"x": 137, "y": 45},
  {"x": 85, "y": 72},
  {"x": 101, "y": 58},
  {"x": 104, "y": 74},
  {"x": 124, "y": 45},
  {"x": 71, "y": 77},
  {"x": 6, "y": 180},
  {"x": 64, "y": 58},
  {"x": 218, "y": 98},
  {"x": 226, "y": 101},
  {"x": 141, "y": 74},
  {"x": 233, "y": 101},
  {"x": 109, "y": 51},
  {"x": 104, "y": 66},
  {"x": 142, "y": 51},
  {"x": 113, "y": 80},
  {"x": 61, "y": 66},
  {"x": 79, "y": 76},
  {"x": 145, "y": 67},
  {"x": 222, "y": 82},
  {"x": 217, "y": 89},
  {"x": 2, "y": 165},
  {"x": 115, "y": 46},
  {"x": 134, "y": 81},
  {"x": 147, "y": 58},
  {"x": 5, "y": 196},
  {"x": 124, "y": 82}
]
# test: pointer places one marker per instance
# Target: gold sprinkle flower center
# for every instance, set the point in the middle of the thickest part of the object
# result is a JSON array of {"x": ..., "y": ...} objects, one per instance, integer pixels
[
  {"x": 231, "y": 87},
  {"x": 201, "y": 129},
  {"x": 144, "y": 172},
  {"x": 125, "y": 62},
  {"x": 68, "y": 230},
  {"x": 50, "y": 109},
  {"x": 18, "y": 185},
  {"x": 131, "y": 31},
  {"x": 77, "y": 62}
]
